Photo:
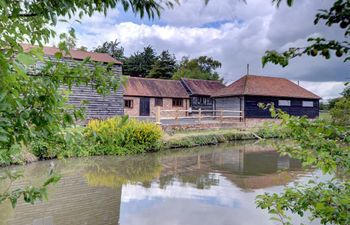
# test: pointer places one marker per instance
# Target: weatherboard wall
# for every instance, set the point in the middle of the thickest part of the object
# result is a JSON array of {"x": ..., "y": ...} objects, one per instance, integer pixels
[{"x": 252, "y": 110}]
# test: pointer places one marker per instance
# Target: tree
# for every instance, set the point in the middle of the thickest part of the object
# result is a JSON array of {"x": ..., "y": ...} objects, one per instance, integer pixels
[
  {"x": 199, "y": 68},
  {"x": 32, "y": 106},
  {"x": 340, "y": 112},
  {"x": 319, "y": 144},
  {"x": 164, "y": 66},
  {"x": 113, "y": 48},
  {"x": 140, "y": 63}
]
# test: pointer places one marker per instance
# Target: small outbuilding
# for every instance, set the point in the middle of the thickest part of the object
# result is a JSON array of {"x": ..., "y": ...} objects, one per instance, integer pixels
[
  {"x": 143, "y": 95},
  {"x": 246, "y": 93},
  {"x": 98, "y": 107},
  {"x": 200, "y": 92}
]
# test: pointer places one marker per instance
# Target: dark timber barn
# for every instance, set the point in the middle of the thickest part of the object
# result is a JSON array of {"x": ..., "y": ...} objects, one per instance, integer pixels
[
  {"x": 98, "y": 106},
  {"x": 200, "y": 92},
  {"x": 246, "y": 93}
]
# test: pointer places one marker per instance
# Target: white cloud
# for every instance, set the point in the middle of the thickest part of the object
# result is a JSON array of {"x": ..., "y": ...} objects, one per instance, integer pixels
[{"x": 241, "y": 35}]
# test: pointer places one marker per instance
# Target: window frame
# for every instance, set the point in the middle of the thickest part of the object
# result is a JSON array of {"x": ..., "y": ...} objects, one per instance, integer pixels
[
  {"x": 202, "y": 101},
  {"x": 131, "y": 103},
  {"x": 308, "y": 106},
  {"x": 160, "y": 103},
  {"x": 177, "y": 100},
  {"x": 282, "y": 101}
]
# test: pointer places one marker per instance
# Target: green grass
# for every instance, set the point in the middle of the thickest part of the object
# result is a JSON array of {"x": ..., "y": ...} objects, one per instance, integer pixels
[
  {"x": 325, "y": 116},
  {"x": 187, "y": 139}
]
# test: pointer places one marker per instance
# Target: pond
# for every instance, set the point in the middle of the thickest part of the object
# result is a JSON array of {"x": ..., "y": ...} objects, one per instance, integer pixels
[{"x": 199, "y": 186}]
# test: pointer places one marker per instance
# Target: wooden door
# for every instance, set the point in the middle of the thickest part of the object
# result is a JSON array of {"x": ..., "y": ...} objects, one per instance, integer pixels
[{"x": 144, "y": 106}]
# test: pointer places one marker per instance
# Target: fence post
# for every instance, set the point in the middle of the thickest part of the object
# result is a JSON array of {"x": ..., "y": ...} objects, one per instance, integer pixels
[
  {"x": 177, "y": 116},
  {"x": 200, "y": 115},
  {"x": 158, "y": 115},
  {"x": 221, "y": 116}
]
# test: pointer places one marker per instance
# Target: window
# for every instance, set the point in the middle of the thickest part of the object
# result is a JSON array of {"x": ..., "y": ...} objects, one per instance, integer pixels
[
  {"x": 128, "y": 103},
  {"x": 201, "y": 100},
  {"x": 158, "y": 102},
  {"x": 177, "y": 102},
  {"x": 284, "y": 102},
  {"x": 308, "y": 104}
]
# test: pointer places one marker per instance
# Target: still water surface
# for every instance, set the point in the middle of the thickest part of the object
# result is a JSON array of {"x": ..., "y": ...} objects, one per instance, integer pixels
[{"x": 214, "y": 185}]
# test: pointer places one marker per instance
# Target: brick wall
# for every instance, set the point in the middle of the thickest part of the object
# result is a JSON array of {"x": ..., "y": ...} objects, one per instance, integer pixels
[{"x": 167, "y": 105}]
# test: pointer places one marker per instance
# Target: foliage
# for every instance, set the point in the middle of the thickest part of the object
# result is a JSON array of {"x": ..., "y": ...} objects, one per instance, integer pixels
[
  {"x": 30, "y": 194},
  {"x": 164, "y": 67},
  {"x": 113, "y": 48},
  {"x": 32, "y": 106},
  {"x": 340, "y": 112},
  {"x": 120, "y": 136},
  {"x": 200, "y": 68},
  {"x": 321, "y": 145},
  {"x": 338, "y": 14},
  {"x": 69, "y": 142},
  {"x": 140, "y": 63}
]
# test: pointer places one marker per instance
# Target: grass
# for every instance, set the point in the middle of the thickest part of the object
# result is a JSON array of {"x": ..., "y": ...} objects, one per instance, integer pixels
[
  {"x": 325, "y": 116},
  {"x": 188, "y": 139}
]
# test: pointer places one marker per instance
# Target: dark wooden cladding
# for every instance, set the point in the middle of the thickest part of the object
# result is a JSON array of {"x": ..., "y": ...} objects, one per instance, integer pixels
[
  {"x": 201, "y": 102},
  {"x": 99, "y": 107},
  {"x": 252, "y": 109}
]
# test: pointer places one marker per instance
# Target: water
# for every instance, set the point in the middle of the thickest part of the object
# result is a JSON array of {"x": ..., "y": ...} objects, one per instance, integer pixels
[{"x": 199, "y": 186}]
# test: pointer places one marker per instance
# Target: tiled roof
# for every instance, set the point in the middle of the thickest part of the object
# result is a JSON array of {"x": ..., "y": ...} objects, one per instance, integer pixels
[
  {"x": 78, "y": 54},
  {"x": 265, "y": 86},
  {"x": 203, "y": 87},
  {"x": 154, "y": 88}
]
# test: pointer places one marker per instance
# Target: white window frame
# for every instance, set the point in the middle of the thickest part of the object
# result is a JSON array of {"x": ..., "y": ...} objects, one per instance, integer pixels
[
  {"x": 308, "y": 104},
  {"x": 284, "y": 102}
]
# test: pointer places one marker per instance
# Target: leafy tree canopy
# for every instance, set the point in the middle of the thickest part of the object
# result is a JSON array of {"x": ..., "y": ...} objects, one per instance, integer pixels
[
  {"x": 164, "y": 67},
  {"x": 320, "y": 144},
  {"x": 140, "y": 63},
  {"x": 113, "y": 48},
  {"x": 32, "y": 105},
  {"x": 202, "y": 67}
]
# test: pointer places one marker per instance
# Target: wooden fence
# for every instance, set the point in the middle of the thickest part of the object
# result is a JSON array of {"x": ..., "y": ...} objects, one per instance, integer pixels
[{"x": 198, "y": 115}]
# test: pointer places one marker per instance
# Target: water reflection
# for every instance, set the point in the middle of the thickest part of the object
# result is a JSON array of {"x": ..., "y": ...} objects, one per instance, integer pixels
[{"x": 205, "y": 185}]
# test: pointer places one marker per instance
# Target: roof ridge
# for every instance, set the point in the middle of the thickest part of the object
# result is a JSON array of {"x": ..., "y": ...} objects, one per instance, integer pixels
[
  {"x": 245, "y": 84},
  {"x": 149, "y": 78},
  {"x": 216, "y": 81},
  {"x": 185, "y": 84}
]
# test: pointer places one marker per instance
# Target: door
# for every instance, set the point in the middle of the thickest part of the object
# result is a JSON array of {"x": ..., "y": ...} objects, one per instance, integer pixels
[{"x": 144, "y": 107}]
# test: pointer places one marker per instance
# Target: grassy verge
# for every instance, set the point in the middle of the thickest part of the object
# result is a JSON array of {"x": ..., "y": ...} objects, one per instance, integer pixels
[{"x": 212, "y": 137}]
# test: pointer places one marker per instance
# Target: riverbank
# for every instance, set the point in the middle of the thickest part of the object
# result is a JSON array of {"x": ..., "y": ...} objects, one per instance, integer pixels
[
  {"x": 117, "y": 136},
  {"x": 188, "y": 139}
]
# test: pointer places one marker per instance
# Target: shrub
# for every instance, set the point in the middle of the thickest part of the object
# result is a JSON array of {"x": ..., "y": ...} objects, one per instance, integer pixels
[
  {"x": 121, "y": 136},
  {"x": 341, "y": 112},
  {"x": 69, "y": 142}
]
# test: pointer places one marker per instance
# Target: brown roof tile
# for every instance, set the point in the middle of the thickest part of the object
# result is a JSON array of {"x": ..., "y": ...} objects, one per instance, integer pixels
[
  {"x": 78, "y": 54},
  {"x": 265, "y": 86},
  {"x": 203, "y": 87},
  {"x": 146, "y": 87}
]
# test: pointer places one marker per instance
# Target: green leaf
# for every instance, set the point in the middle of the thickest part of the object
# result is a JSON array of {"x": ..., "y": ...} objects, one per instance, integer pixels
[{"x": 25, "y": 59}]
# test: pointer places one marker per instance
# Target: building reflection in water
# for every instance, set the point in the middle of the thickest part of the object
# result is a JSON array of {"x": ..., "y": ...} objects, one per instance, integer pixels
[{"x": 186, "y": 186}]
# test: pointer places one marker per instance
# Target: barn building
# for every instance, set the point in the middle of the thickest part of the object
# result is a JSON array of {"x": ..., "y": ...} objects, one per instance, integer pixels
[
  {"x": 98, "y": 106},
  {"x": 143, "y": 95},
  {"x": 246, "y": 93},
  {"x": 200, "y": 92}
]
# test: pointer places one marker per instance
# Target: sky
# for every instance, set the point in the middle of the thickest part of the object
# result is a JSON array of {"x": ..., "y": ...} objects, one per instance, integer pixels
[{"x": 232, "y": 31}]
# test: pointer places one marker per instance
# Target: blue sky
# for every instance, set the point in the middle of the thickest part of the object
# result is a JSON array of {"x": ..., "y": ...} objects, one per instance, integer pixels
[{"x": 231, "y": 31}]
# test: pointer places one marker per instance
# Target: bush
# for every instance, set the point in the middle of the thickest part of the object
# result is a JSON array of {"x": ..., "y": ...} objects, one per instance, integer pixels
[
  {"x": 341, "y": 112},
  {"x": 121, "y": 136},
  {"x": 69, "y": 142}
]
